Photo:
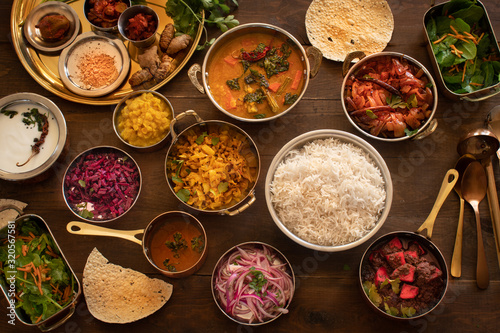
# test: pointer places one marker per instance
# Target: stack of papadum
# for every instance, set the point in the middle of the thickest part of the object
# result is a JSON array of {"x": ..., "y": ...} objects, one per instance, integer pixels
[
  {"x": 339, "y": 27},
  {"x": 115, "y": 294}
]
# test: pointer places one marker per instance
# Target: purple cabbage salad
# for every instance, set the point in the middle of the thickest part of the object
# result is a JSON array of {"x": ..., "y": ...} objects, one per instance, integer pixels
[{"x": 102, "y": 185}]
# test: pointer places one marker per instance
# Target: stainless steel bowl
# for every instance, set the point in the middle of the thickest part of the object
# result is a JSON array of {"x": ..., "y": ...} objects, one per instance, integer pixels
[
  {"x": 430, "y": 124},
  {"x": 95, "y": 27},
  {"x": 299, "y": 142},
  {"x": 123, "y": 102},
  {"x": 250, "y": 246},
  {"x": 85, "y": 206},
  {"x": 18, "y": 145},
  {"x": 130, "y": 13},
  {"x": 311, "y": 59},
  {"x": 432, "y": 254}
]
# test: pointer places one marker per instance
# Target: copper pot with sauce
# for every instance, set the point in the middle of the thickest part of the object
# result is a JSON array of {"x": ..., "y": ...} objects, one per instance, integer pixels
[
  {"x": 250, "y": 101},
  {"x": 174, "y": 242}
]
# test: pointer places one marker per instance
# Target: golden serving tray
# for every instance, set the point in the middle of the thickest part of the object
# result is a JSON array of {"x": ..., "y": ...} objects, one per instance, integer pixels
[{"x": 43, "y": 66}]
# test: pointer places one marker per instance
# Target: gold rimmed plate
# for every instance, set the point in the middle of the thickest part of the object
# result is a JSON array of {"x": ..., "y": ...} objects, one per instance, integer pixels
[{"x": 44, "y": 66}]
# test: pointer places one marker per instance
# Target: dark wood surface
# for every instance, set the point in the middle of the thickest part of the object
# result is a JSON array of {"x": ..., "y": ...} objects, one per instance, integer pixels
[{"x": 327, "y": 297}]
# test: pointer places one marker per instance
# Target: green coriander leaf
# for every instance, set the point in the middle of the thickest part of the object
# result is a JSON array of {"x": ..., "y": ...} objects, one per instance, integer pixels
[
  {"x": 370, "y": 114},
  {"x": 201, "y": 138},
  {"x": 184, "y": 194}
]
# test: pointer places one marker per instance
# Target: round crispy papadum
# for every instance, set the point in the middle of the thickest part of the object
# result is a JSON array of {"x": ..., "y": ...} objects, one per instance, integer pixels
[
  {"x": 339, "y": 27},
  {"x": 115, "y": 294}
]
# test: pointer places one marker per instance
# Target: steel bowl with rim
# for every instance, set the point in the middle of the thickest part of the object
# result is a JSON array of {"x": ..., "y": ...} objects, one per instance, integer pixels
[
  {"x": 124, "y": 102},
  {"x": 311, "y": 59},
  {"x": 200, "y": 129},
  {"x": 297, "y": 143},
  {"x": 220, "y": 273},
  {"x": 130, "y": 13},
  {"x": 425, "y": 129},
  {"x": 430, "y": 252},
  {"x": 19, "y": 138},
  {"x": 95, "y": 26},
  {"x": 103, "y": 196}
]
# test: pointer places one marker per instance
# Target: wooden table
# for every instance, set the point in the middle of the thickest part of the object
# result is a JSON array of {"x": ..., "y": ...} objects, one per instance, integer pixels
[{"x": 327, "y": 297}]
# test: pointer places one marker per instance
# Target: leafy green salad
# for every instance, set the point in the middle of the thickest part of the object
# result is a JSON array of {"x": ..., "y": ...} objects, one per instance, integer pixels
[
  {"x": 44, "y": 285},
  {"x": 464, "y": 47}
]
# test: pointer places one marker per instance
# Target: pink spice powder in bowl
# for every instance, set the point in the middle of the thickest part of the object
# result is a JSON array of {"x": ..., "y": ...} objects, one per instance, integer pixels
[{"x": 95, "y": 65}]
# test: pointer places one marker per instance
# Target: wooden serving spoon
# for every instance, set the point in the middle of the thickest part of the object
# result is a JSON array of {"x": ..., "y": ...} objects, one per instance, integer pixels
[
  {"x": 456, "y": 260},
  {"x": 474, "y": 186}
]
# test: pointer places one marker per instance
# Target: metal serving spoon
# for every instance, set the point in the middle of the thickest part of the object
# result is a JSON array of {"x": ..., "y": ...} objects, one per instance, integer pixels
[
  {"x": 482, "y": 144},
  {"x": 474, "y": 190},
  {"x": 456, "y": 260}
]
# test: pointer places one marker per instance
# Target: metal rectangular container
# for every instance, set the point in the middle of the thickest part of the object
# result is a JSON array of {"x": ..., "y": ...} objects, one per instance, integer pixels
[
  {"x": 477, "y": 95},
  {"x": 61, "y": 316}
]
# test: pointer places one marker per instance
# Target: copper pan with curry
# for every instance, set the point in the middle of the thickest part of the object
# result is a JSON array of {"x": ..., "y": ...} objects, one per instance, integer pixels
[
  {"x": 212, "y": 166},
  {"x": 256, "y": 72}
]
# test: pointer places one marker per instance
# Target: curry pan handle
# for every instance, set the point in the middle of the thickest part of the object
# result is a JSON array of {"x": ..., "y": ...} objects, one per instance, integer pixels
[
  {"x": 81, "y": 228},
  {"x": 315, "y": 57},
  {"x": 429, "y": 130},
  {"x": 349, "y": 58},
  {"x": 242, "y": 208},
  {"x": 179, "y": 117},
  {"x": 193, "y": 77},
  {"x": 7, "y": 207}
]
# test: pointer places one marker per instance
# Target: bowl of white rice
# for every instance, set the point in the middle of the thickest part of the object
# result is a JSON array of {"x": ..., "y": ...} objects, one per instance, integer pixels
[{"x": 328, "y": 190}]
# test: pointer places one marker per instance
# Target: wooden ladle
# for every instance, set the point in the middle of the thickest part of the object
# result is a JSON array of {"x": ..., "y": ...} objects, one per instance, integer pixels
[
  {"x": 456, "y": 260},
  {"x": 474, "y": 185}
]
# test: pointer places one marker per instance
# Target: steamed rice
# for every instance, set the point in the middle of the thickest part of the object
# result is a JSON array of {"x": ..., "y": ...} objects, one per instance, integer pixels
[{"x": 328, "y": 192}]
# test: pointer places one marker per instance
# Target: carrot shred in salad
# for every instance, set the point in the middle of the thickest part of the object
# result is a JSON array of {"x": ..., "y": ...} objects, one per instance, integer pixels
[{"x": 43, "y": 282}]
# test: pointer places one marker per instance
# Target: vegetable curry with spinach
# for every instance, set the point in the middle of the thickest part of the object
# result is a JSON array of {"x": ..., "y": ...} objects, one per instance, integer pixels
[{"x": 257, "y": 75}]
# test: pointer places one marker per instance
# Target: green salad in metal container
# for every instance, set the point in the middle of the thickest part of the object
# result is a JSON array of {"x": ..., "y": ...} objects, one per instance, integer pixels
[{"x": 464, "y": 46}]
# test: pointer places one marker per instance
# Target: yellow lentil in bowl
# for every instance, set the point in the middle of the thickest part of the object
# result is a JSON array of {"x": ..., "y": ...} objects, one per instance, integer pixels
[{"x": 142, "y": 119}]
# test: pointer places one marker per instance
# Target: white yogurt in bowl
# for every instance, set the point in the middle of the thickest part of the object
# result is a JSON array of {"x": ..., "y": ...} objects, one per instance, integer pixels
[{"x": 19, "y": 134}]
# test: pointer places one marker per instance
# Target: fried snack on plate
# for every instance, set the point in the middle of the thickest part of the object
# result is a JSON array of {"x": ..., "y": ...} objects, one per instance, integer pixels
[
  {"x": 121, "y": 295},
  {"x": 339, "y": 27}
]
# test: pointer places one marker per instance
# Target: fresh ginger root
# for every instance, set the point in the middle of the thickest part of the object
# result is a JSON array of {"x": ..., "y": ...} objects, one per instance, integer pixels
[
  {"x": 178, "y": 43},
  {"x": 152, "y": 67},
  {"x": 149, "y": 59},
  {"x": 139, "y": 77},
  {"x": 165, "y": 68},
  {"x": 166, "y": 37}
]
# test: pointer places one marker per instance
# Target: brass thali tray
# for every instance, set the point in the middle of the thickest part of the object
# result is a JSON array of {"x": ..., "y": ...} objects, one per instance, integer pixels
[{"x": 43, "y": 66}]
